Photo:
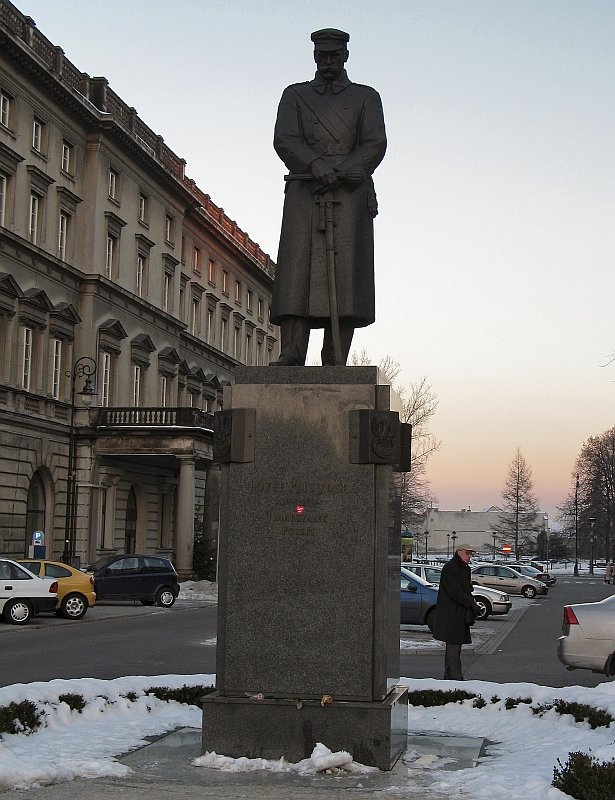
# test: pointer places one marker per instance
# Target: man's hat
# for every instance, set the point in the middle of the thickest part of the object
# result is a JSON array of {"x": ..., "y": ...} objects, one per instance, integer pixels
[
  {"x": 467, "y": 547},
  {"x": 330, "y": 39}
]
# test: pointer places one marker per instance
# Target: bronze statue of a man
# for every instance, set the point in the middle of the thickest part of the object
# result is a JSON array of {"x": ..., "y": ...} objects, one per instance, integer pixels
[{"x": 330, "y": 134}]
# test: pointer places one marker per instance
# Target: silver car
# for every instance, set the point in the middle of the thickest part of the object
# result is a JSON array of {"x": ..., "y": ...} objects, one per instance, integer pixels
[
  {"x": 491, "y": 601},
  {"x": 507, "y": 580},
  {"x": 588, "y": 640}
]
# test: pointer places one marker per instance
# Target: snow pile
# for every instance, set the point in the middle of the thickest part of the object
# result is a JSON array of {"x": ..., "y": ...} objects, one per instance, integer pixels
[
  {"x": 199, "y": 590},
  {"x": 321, "y": 760}
]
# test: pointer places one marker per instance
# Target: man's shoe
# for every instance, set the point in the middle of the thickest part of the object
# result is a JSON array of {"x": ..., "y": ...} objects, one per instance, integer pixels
[{"x": 285, "y": 361}]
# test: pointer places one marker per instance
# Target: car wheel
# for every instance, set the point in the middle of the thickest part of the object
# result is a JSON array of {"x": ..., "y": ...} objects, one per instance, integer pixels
[
  {"x": 74, "y": 606},
  {"x": 484, "y": 605},
  {"x": 165, "y": 597},
  {"x": 528, "y": 591},
  {"x": 18, "y": 612}
]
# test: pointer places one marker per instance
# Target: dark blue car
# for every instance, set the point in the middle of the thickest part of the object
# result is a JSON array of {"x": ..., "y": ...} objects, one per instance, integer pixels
[
  {"x": 418, "y": 600},
  {"x": 149, "y": 579}
]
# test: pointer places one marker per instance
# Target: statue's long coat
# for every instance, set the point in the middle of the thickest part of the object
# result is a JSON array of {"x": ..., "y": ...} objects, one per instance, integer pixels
[{"x": 344, "y": 124}]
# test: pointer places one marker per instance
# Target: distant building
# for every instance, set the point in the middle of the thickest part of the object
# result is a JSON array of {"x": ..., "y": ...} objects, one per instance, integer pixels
[
  {"x": 448, "y": 529},
  {"x": 115, "y": 268}
]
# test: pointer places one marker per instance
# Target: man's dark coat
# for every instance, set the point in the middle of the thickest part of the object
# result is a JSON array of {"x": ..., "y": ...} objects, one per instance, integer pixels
[
  {"x": 454, "y": 599},
  {"x": 343, "y": 124}
]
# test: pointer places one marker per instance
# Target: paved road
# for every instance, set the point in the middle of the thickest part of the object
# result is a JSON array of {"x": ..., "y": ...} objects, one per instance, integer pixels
[{"x": 527, "y": 652}]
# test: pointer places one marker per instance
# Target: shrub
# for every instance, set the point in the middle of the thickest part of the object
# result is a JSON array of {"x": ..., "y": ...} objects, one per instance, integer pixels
[
  {"x": 581, "y": 712},
  {"x": 513, "y": 702},
  {"x": 437, "y": 697},
  {"x": 191, "y": 695},
  {"x": 585, "y": 778},
  {"x": 19, "y": 717},
  {"x": 75, "y": 702}
]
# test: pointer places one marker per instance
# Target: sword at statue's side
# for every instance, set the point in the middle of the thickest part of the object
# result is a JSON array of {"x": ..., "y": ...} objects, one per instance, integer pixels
[{"x": 326, "y": 223}]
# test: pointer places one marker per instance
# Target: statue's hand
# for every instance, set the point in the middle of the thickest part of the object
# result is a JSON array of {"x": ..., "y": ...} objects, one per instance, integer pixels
[{"x": 325, "y": 177}]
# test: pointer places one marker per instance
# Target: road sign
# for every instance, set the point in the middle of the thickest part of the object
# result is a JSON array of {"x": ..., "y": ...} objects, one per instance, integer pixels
[{"x": 506, "y": 548}]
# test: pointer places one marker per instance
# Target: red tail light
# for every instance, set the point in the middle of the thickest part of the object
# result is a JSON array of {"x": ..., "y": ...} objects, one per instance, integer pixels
[
  {"x": 570, "y": 617},
  {"x": 92, "y": 580},
  {"x": 53, "y": 589}
]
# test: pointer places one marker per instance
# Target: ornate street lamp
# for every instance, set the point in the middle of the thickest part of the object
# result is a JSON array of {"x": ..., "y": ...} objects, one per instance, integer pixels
[
  {"x": 494, "y": 537},
  {"x": 448, "y": 545},
  {"x": 454, "y": 538},
  {"x": 426, "y": 537},
  {"x": 591, "y": 521},
  {"x": 84, "y": 367},
  {"x": 576, "y": 527}
]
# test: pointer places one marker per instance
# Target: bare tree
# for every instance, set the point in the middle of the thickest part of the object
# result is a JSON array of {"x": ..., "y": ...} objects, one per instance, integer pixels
[
  {"x": 520, "y": 507},
  {"x": 595, "y": 497},
  {"x": 419, "y": 404}
]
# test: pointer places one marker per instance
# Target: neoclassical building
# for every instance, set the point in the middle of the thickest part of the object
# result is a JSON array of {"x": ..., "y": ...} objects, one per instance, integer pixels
[{"x": 118, "y": 275}]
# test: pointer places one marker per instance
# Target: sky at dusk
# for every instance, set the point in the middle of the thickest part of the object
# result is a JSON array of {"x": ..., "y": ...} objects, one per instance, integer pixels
[{"x": 495, "y": 242}]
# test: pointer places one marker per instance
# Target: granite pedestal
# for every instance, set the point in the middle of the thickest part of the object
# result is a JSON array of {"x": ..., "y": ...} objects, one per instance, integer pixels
[{"x": 308, "y": 571}]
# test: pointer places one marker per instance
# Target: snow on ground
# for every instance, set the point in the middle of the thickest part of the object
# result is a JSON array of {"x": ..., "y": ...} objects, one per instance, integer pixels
[
  {"x": 199, "y": 590},
  {"x": 522, "y": 749}
]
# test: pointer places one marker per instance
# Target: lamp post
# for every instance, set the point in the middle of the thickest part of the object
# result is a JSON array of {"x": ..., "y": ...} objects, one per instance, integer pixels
[
  {"x": 546, "y": 521},
  {"x": 576, "y": 527},
  {"x": 494, "y": 537},
  {"x": 448, "y": 545},
  {"x": 454, "y": 537},
  {"x": 84, "y": 367},
  {"x": 426, "y": 537},
  {"x": 591, "y": 521}
]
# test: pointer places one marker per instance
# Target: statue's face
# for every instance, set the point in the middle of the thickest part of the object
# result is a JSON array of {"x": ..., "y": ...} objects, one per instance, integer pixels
[{"x": 330, "y": 63}]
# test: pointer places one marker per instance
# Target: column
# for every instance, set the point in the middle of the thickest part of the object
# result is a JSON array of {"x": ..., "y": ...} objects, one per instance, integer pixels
[{"x": 184, "y": 543}]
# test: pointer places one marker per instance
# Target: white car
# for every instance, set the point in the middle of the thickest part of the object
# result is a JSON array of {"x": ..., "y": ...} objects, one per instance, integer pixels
[
  {"x": 588, "y": 640},
  {"x": 491, "y": 601},
  {"x": 23, "y": 594}
]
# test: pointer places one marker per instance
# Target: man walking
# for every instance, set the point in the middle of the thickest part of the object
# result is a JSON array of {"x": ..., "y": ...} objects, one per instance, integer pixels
[
  {"x": 455, "y": 610},
  {"x": 330, "y": 134}
]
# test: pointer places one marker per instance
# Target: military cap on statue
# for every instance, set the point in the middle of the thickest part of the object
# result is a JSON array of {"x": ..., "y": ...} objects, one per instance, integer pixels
[{"x": 329, "y": 39}]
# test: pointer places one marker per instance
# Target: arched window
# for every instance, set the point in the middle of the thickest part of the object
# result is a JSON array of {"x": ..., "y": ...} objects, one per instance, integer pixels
[{"x": 35, "y": 511}]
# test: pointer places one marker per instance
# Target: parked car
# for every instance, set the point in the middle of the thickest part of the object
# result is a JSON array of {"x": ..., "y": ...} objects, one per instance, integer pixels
[
  {"x": 534, "y": 572},
  {"x": 23, "y": 594},
  {"x": 75, "y": 589},
  {"x": 508, "y": 580},
  {"x": 149, "y": 579},
  {"x": 491, "y": 601},
  {"x": 418, "y": 600},
  {"x": 588, "y": 640}
]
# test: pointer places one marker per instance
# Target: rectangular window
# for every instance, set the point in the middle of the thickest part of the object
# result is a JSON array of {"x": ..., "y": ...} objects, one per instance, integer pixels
[
  {"x": 5, "y": 109},
  {"x": 37, "y": 135},
  {"x": 56, "y": 368},
  {"x": 163, "y": 391},
  {"x": 142, "y": 208},
  {"x": 248, "y": 351},
  {"x": 211, "y": 329},
  {"x": 140, "y": 274},
  {"x": 166, "y": 290},
  {"x": 249, "y": 300},
  {"x": 259, "y": 309},
  {"x": 110, "y": 256},
  {"x": 67, "y": 157},
  {"x": 224, "y": 281},
  {"x": 259, "y": 353},
  {"x": 63, "y": 234},
  {"x": 3, "y": 186},
  {"x": 196, "y": 313},
  {"x": 34, "y": 210},
  {"x": 136, "y": 385},
  {"x": 211, "y": 272},
  {"x": 223, "y": 329},
  {"x": 237, "y": 343},
  {"x": 105, "y": 379},
  {"x": 113, "y": 184},
  {"x": 196, "y": 260},
  {"x": 238, "y": 292},
  {"x": 27, "y": 358},
  {"x": 168, "y": 229}
]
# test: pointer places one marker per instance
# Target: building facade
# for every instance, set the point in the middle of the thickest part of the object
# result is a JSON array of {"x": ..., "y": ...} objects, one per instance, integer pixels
[
  {"x": 121, "y": 276},
  {"x": 440, "y": 532}
]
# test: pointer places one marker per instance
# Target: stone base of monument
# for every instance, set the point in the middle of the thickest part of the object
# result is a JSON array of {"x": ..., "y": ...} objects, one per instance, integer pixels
[
  {"x": 308, "y": 566},
  {"x": 374, "y": 734}
]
